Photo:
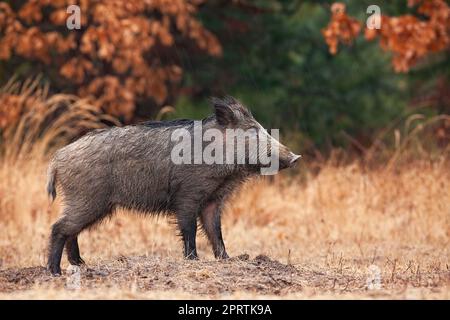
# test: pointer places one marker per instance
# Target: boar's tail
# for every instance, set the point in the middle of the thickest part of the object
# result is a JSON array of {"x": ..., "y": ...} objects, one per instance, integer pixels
[{"x": 51, "y": 180}]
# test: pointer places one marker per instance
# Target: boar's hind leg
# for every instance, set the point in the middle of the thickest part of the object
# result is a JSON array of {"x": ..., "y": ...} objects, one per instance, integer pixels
[
  {"x": 65, "y": 231},
  {"x": 210, "y": 218},
  {"x": 57, "y": 240},
  {"x": 73, "y": 251}
]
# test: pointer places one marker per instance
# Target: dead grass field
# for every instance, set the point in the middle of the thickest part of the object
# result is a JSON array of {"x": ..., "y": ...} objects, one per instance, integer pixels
[{"x": 321, "y": 237}]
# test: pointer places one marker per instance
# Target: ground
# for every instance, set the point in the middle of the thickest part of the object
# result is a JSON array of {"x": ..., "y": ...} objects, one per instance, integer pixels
[
  {"x": 345, "y": 232},
  {"x": 239, "y": 277}
]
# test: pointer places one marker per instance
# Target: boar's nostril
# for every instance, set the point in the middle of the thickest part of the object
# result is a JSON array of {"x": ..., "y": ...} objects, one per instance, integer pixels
[{"x": 295, "y": 158}]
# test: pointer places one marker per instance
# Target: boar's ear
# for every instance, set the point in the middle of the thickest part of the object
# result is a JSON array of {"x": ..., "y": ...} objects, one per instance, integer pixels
[{"x": 224, "y": 112}]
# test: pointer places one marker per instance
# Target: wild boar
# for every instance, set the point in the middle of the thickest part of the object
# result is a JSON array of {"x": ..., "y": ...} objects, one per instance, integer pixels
[{"x": 138, "y": 167}]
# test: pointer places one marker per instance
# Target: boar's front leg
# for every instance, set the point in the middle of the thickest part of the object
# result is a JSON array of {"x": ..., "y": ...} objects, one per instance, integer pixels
[
  {"x": 187, "y": 224},
  {"x": 210, "y": 218}
]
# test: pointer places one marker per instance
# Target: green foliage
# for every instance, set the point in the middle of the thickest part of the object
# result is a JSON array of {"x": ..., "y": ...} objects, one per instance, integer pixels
[{"x": 276, "y": 61}]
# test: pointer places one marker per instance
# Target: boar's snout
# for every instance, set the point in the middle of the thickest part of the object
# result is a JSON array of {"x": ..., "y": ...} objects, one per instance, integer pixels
[
  {"x": 288, "y": 159},
  {"x": 294, "y": 159}
]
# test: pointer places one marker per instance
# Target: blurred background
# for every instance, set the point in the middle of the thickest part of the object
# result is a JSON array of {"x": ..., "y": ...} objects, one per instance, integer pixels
[
  {"x": 367, "y": 108},
  {"x": 311, "y": 68}
]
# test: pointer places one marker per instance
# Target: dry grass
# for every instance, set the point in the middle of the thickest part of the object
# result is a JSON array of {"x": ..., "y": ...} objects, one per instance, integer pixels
[
  {"x": 317, "y": 237},
  {"x": 310, "y": 239},
  {"x": 33, "y": 122}
]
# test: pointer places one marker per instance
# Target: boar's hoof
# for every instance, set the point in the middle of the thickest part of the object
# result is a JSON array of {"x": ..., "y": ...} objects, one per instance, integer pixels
[
  {"x": 76, "y": 261},
  {"x": 192, "y": 256},
  {"x": 222, "y": 256},
  {"x": 55, "y": 271}
]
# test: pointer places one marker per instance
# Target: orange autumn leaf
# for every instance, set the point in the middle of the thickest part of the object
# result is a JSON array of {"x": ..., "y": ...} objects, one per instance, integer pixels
[
  {"x": 408, "y": 37},
  {"x": 114, "y": 57},
  {"x": 341, "y": 28}
]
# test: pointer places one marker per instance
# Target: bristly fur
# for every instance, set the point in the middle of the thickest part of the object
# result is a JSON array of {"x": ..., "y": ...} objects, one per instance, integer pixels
[
  {"x": 51, "y": 181},
  {"x": 131, "y": 167}
]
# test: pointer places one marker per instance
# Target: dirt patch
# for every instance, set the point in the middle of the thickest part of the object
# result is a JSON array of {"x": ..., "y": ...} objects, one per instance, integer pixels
[{"x": 260, "y": 275}]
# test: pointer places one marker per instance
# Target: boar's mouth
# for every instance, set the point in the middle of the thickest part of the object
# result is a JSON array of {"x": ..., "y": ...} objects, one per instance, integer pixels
[
  {"x": 294, "y": 159},
  {"x": 289, "y": 161}
]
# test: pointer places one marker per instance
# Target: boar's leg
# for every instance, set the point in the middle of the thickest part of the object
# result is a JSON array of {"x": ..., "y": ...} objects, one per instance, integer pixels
[
  {"x": 75, "y": 219},
  {"x": 188, "y": 233},
  {"x": 188, "y": 229},
  {"x": 57, "y": 240},
  {"x": 73, "y": 251},
  {"x": 210, "y": 218}
]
